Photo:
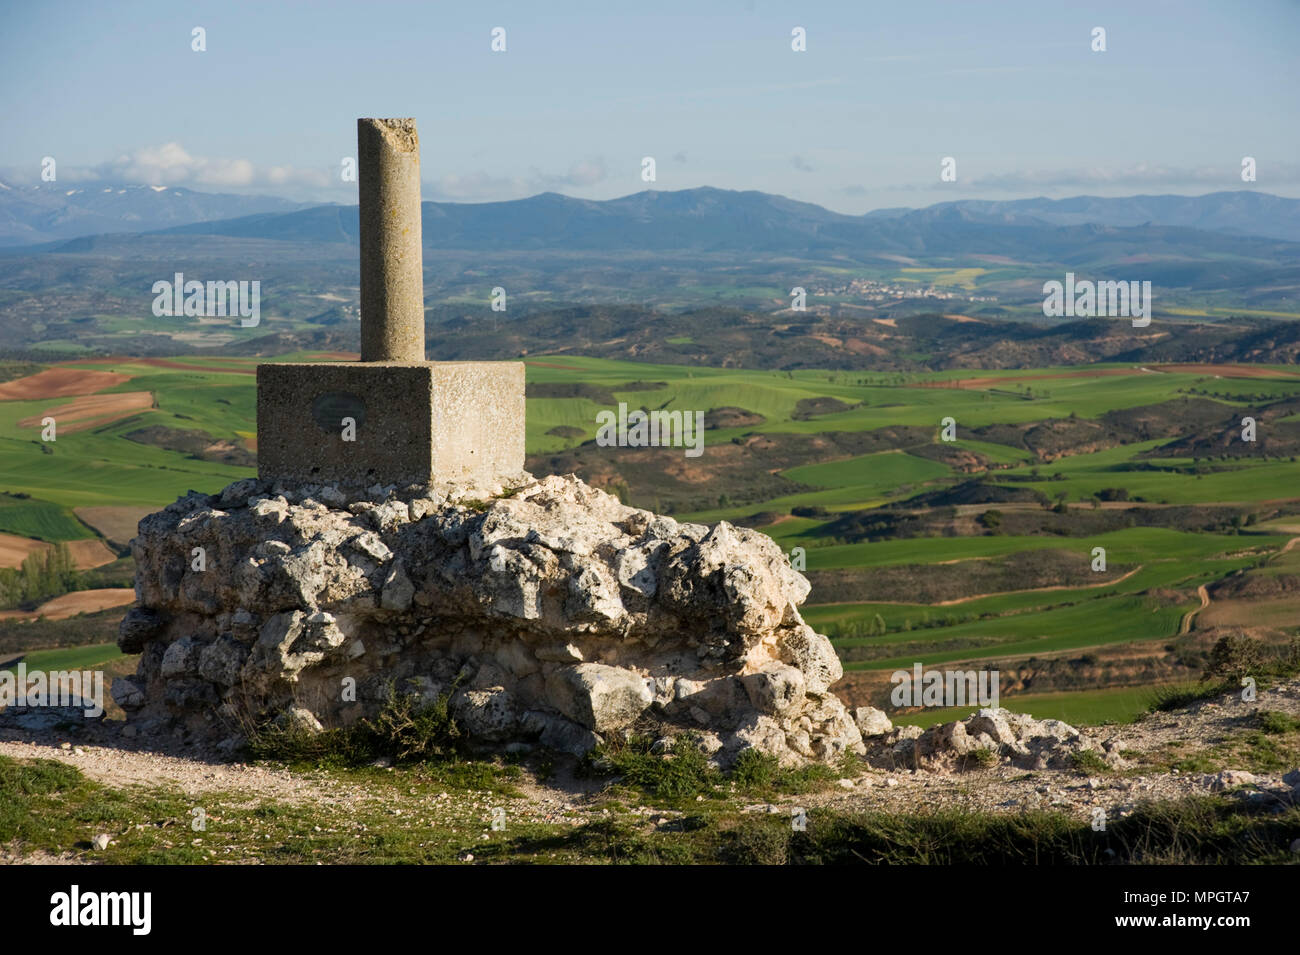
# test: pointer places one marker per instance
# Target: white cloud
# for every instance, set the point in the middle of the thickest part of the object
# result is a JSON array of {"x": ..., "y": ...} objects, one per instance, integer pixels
[{"x": 171, "y": 164}]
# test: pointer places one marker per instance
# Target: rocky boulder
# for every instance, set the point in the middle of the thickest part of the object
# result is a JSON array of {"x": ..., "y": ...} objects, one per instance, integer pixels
[
  {"x": 550, "y": 613},
  {"x": 1014, "y": 737}
]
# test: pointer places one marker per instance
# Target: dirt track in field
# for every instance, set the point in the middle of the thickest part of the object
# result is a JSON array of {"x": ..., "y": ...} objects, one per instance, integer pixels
[
  {"x": 79, "y": 601},
  {"x": 1224, "y": 371},
  {"x": 90, "y": 411},
  {"x": 60, "y": 382},
  {"x": 993, "y": 382}
]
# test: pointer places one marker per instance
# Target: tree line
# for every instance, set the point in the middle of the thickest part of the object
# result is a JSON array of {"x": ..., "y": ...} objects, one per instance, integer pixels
[{"x": 44, "y": 574}]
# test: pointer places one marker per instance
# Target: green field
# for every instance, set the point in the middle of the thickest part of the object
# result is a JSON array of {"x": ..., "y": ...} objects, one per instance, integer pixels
[
  {"x": 999, "y": 625},
  {"x": 101, "y": 466},
  {"x": 1091, "y": 624},
  {"x": 1131, "y": 545},
  {"x": 42, "y": 520},
  {"x": 881, "y": 472},
  {"x": 72, "y": 658}
]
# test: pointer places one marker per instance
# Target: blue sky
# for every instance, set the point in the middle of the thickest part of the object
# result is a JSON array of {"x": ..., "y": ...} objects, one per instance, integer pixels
[{"x": 711, "y": 90}]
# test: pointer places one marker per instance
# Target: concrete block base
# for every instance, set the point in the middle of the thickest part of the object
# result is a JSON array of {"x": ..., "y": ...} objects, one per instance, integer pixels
[{"x": 363, "y": 423}]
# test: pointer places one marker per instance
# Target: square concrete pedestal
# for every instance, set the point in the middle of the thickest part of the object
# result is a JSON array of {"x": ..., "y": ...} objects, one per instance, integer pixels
[{"x": 415, "y": 422}]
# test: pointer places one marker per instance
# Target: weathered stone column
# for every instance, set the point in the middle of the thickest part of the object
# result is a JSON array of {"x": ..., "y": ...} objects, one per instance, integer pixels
[{"x": 392, "y": 277}]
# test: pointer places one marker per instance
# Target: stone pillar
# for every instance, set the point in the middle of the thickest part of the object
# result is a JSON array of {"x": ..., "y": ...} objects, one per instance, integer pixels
[
  {"x": 392, "y": 277},
  {"x": 391, "y": 418}
]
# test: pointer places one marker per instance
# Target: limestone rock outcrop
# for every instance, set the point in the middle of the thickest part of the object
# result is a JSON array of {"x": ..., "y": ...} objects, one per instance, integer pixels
[
  {"x": 1017, "y": 738},
  {"x": 550, "y": 614}
]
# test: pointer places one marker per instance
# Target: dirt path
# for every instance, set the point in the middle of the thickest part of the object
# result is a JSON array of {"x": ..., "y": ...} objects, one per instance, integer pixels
[
  {"x": 1223, "y": 371},
  {"x": 119, "y": 766},
  {"x": 1146, "y": 743},
  {"x": 994, "y": 381},
  {"x": 1186, "y": 625}
]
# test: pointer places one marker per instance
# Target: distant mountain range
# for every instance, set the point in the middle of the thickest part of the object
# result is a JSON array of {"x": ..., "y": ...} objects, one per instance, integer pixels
[
  {"x": 649, "y": 243},
  {"x": 1240, "y": 213},
  {"x": 704, "y": 219},
  {"x": 708, "y": 219},
  {"x": 50, "y": 211}
]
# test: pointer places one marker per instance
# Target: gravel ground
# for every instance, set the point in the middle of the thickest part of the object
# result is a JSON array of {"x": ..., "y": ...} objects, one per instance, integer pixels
[{"x": 102, "y": 754}]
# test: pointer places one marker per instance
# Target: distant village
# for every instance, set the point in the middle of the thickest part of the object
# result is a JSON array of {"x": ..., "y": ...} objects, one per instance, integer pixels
[{"x": 873, "y": 291}]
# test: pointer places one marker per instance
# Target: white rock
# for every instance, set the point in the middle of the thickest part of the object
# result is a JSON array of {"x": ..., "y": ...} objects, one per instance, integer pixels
[
  {"x": 871, "y": 721},
  {"x": 777, "y": 689},
  {"x": 694, "y": 626},
  {"x": 599, "y": 697},
  {"x": 1229, "y": 779}
]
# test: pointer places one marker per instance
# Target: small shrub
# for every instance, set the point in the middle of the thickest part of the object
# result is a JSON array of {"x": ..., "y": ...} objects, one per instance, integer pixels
[
  {"x": 754, "y": 770},
  {"x": 406, "y": 730},
  {"x": 684, "y": 772},
  {"x": 808, "y": 778},
  {"x": 759, "y": 843},
  {"x": 1233, "y": 657}
]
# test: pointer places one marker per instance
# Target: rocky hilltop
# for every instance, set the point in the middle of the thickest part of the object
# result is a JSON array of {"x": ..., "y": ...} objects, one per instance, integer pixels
[{"x": 550, "y": 614}]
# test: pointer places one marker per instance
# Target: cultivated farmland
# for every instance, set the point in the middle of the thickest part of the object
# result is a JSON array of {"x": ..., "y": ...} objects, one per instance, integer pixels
[{"x": 980, "y": 550}]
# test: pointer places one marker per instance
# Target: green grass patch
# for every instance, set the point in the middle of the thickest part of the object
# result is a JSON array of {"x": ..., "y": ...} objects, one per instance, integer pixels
[
  {"x": 874, "y": 474},
  {"x": 42, "y": 520},
  {"x": 409, "y": 817},
  {"x": 73, "y": 658}
]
